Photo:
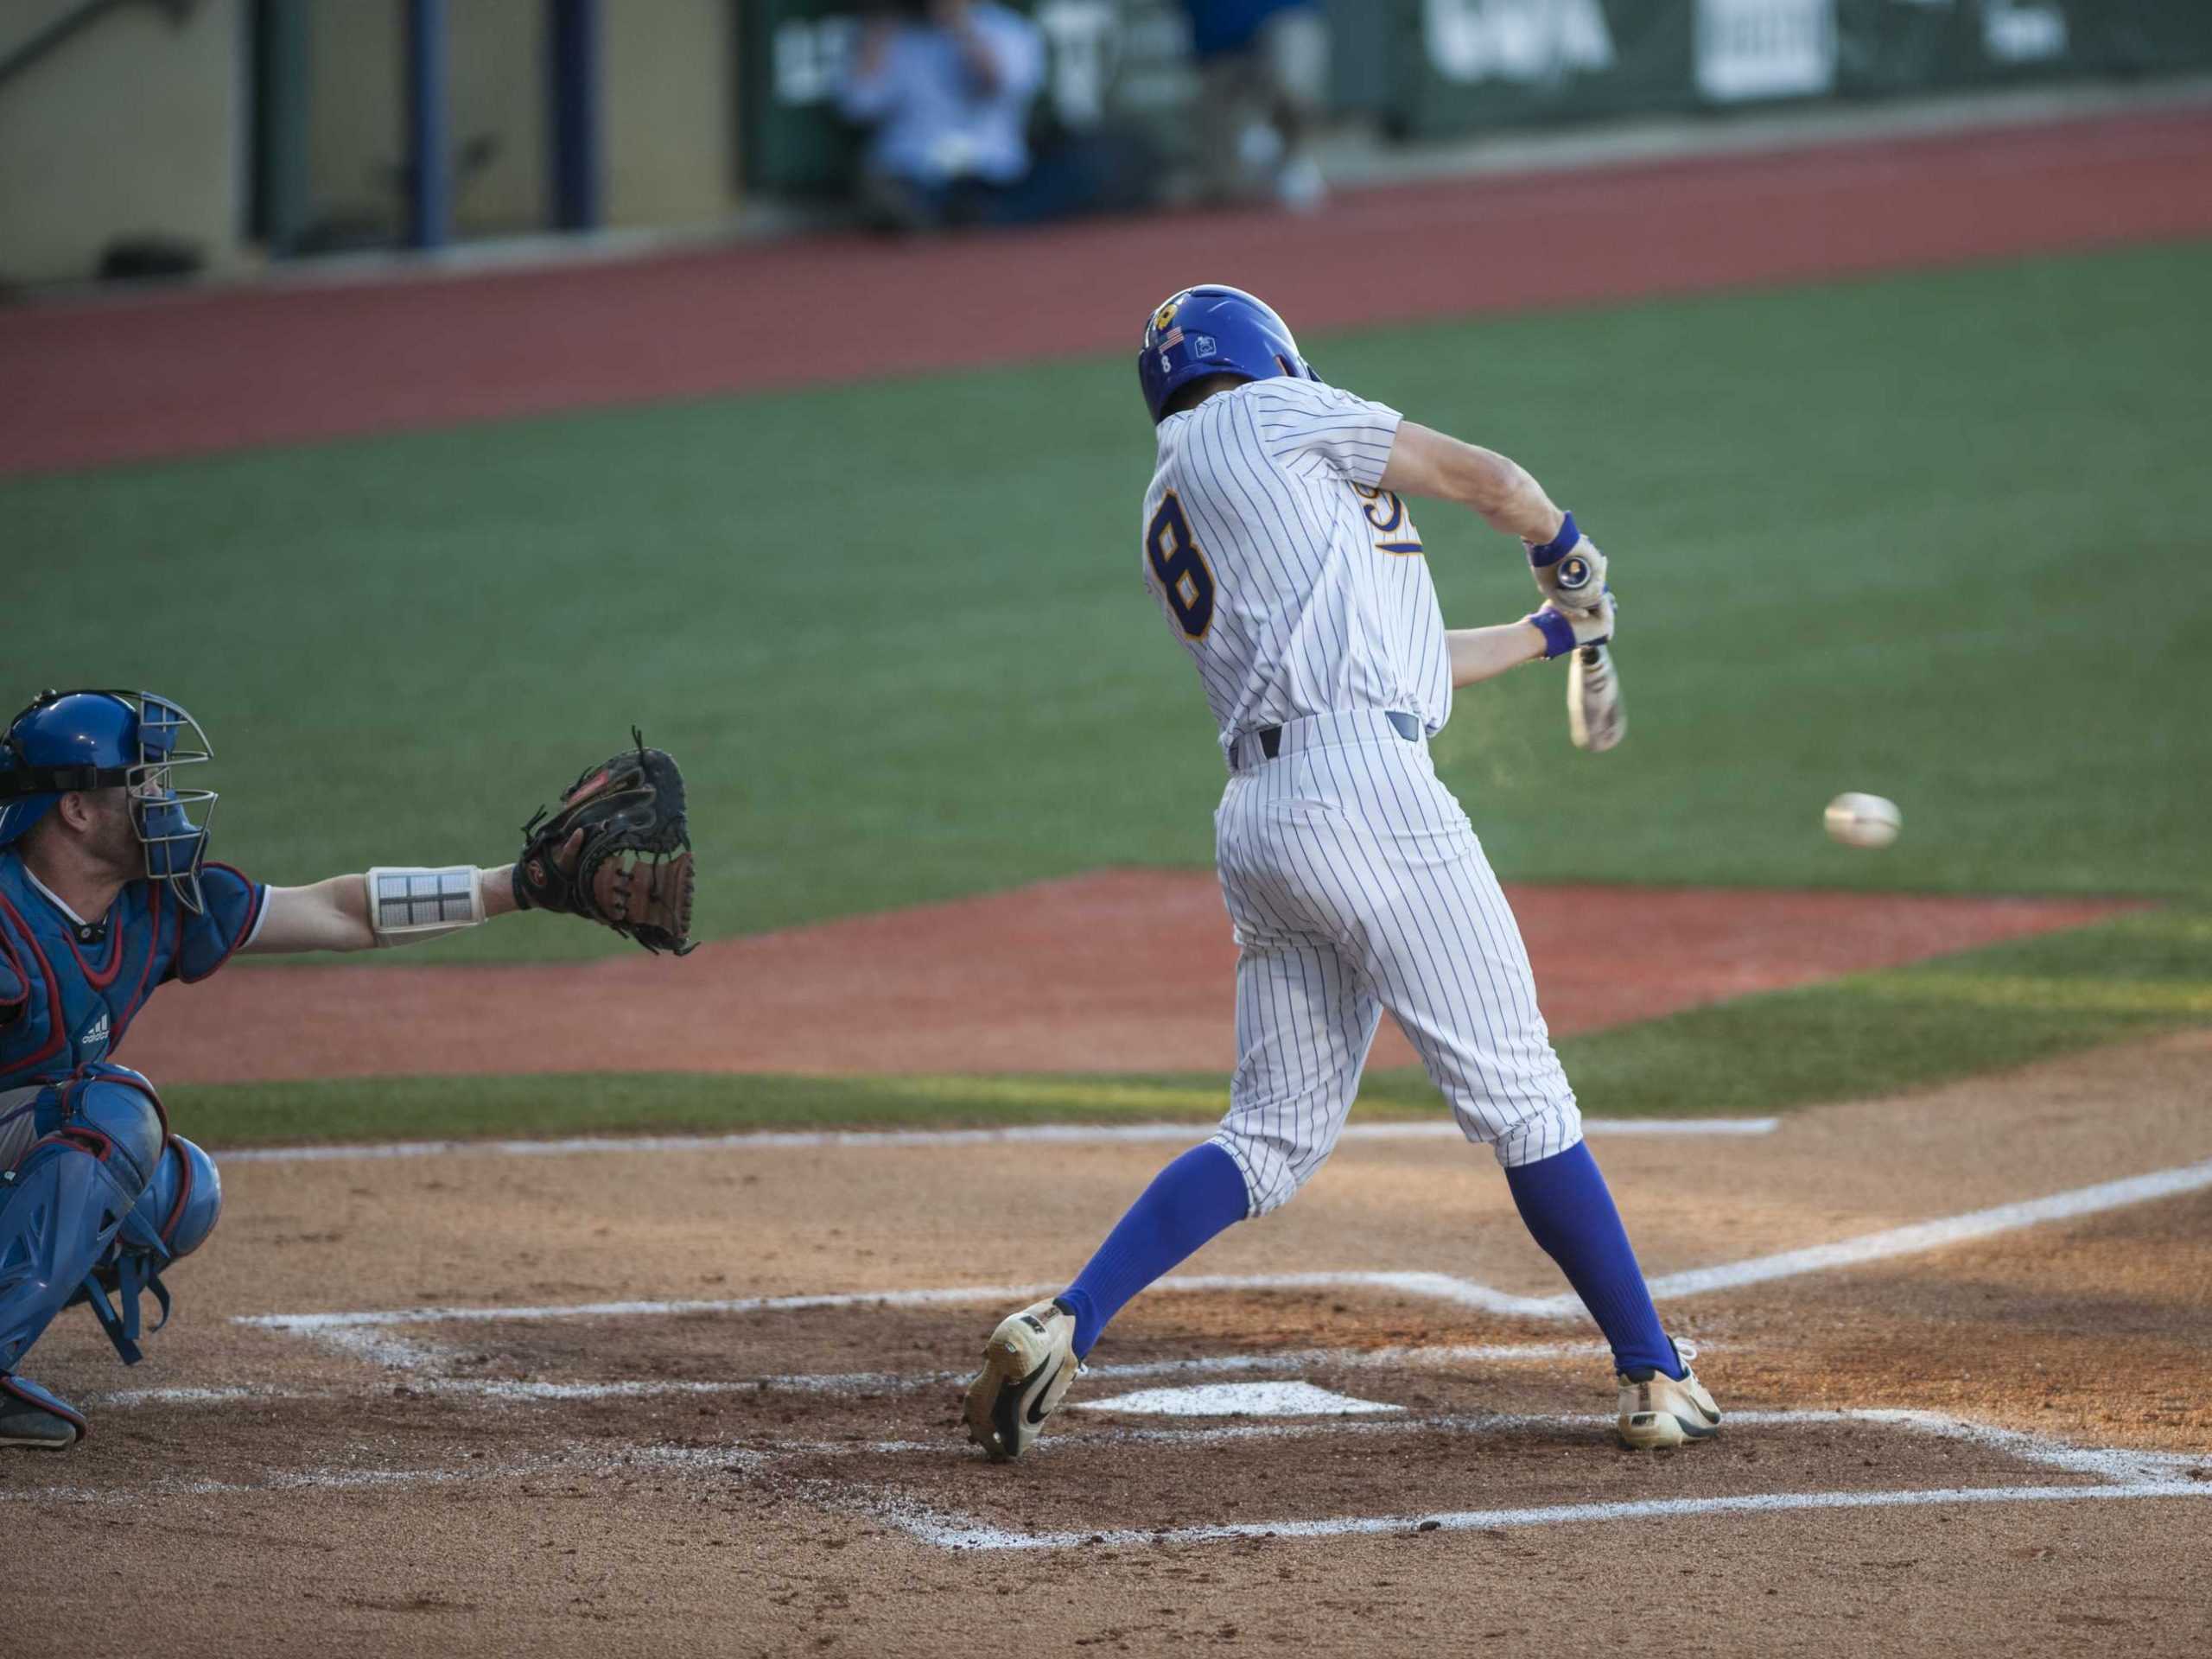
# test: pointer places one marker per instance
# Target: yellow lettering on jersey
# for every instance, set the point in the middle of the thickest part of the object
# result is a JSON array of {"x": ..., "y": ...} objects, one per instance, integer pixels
[{"x": 1386, "y": 511}]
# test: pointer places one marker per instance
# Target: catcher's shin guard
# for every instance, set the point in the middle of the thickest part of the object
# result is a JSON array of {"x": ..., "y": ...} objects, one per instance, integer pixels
[
  {"x": 172, "y": 1219},
  {"x": 1027, "y": 1370},
  {"x": 62, "y": 1205}
]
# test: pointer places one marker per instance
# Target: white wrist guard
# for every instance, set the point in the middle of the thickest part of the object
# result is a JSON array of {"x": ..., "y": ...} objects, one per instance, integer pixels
[{"x": 408, "y": 904}]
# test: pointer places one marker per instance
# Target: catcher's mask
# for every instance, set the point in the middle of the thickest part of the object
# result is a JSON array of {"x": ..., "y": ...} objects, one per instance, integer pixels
[{"x": 69, "y": 740}]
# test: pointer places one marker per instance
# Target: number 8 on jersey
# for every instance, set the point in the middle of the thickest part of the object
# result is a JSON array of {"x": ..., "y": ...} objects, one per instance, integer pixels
[{"x": 1179, "y": 566}]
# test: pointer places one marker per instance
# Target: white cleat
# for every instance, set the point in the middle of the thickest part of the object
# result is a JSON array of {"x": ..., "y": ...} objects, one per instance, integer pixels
[
  {"x": 1658, "y": 1411},
  {"x": 1027, "y": 1370}
]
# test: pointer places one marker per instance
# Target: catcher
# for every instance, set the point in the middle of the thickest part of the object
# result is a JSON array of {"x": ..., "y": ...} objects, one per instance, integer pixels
[{"x": 106, "y": 893}]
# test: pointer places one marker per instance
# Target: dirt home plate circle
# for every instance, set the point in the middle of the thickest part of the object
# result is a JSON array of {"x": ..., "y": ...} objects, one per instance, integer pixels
[{"x": 1858, "y": 820}]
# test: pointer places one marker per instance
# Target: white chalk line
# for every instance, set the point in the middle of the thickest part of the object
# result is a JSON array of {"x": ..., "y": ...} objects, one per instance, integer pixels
[
  {"x": 1114, "y": 1436},
  {"x": 1913, "y": 1240},
  {"x": 1066, "y": 1134},
  {"x": 2120, "y": 1465},
  {"x": 429, "y": 1372},
  {"x": 952, "y": 1533},
  {"x": 131, "y": 1399},
  {"x": 394, "y": 1353},
  {"x": 2117, "y": 1466},
  {"x": 2125, "y": 1475},
  {"x": 2121, "y": 1475},
  {"x": 536, "y": 1313},
  {"x": 1396, "y": 1356},
  {"x": 1399, "y": 1358},
  {"x": 571, "y": 1460},
  {"x": 1926, "y": 1235},
  {"x": 1437, "y": 1286},
  {"x": 1407, "y": 1357}
]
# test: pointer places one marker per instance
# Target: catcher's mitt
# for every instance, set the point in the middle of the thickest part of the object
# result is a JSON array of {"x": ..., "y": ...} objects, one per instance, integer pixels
[{"x": 615, "y": 850}]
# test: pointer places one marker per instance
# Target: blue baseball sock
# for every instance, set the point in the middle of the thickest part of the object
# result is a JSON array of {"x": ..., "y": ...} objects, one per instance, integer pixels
[
  {"x": 1568, "y": 1210},
  {"x": 1200, "y": 1194}
]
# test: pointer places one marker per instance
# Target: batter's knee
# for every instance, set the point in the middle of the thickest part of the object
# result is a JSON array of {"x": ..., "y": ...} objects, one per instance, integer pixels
[
  {"x": 1547, "y": 1129},
  {"x": 1275, "y": 1166}
]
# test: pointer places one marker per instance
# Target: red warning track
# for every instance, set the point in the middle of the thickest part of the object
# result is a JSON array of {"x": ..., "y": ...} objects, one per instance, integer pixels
[
  {"x": 135, "y": 379},
  {"x": 1118, "y": 971}
]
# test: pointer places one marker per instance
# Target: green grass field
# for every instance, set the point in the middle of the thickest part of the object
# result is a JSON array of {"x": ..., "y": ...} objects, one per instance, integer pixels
[
  {"x": 1864, "y": 1036},
  {"x": 1937, "y": 537}
]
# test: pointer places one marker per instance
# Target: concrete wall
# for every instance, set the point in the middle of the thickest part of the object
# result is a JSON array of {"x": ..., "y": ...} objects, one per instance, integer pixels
[
  {"x": 135, "y": 125},
  {"x": 356, "y": 123},
  {"x": 139, "y": 125},
  {"x": 670, "y": 85},
  {"x": 356, "y": 117},
  {"x": 667, "y": 69},
  {"x": 500, "y": 92}
]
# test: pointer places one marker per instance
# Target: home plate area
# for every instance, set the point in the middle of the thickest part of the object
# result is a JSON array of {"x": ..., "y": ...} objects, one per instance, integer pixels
[{"x": 1229, "y": 1413}]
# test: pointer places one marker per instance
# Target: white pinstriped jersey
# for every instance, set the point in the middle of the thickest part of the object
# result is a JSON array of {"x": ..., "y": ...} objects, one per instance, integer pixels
[
  {"x": 1353, "y": 880},
  {"x": 1296, "y": 583}
]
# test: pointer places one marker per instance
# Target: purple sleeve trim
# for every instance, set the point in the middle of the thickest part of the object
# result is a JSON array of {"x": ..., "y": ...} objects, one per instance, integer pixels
[
  {"x": 1542, "y": 558},
  {"x": 1558, "y": 632}
]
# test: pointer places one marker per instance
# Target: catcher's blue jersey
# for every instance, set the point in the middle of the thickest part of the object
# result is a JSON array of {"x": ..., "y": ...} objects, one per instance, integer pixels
[{"x": 76, "y": 988}]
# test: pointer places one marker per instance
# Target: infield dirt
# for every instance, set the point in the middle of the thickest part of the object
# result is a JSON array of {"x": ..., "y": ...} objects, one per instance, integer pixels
[{"x": 480, "y": 1486}]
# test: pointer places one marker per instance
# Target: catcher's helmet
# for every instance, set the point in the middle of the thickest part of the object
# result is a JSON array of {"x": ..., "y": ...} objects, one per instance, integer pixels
[
  {"x": 1214, "y": 330},
  {"x": 69, "y": 740}
]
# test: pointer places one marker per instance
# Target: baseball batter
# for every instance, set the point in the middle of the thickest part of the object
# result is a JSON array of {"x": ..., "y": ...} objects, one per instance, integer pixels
[
  {"x": 1277, "y": 540},
  {"x": 106, "y": 895}
]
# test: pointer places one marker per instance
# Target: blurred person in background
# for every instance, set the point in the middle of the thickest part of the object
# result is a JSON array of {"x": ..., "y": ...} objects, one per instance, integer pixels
[
  {"x": 947, "y": 86},
  {"x": 1263, "y": 68}
]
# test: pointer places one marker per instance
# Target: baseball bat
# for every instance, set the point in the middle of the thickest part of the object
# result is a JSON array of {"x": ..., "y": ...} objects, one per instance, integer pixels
[{"x": 1595, "y": 718}]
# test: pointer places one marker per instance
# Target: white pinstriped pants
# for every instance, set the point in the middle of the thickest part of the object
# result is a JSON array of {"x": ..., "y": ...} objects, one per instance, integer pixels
[{"x": 1356, "y": 884}]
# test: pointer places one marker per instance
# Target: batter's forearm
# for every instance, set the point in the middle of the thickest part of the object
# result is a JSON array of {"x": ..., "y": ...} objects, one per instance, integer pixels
[
  {"x": 1430, "y": 463},
  {"x": 1519, "y": 507},
  {"x": 1479, "y": 654}
]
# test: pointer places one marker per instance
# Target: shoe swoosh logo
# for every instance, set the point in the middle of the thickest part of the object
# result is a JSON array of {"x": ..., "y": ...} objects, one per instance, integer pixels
[{"x": 1035, "y": 1413}]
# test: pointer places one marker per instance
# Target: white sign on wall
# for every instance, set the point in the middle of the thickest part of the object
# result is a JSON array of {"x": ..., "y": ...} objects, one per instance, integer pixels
[
  {"x": 1765, "y": 49},
  {"x": 1081, "y": 35},
  {"x": 812, "y": 56},
  {"x": 1531, "y": 41},
  {"x": 809, "y": 55},
  {"x": 2023, "y": 31}
]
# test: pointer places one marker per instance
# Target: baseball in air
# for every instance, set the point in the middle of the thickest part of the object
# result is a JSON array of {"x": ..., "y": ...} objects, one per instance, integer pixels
[{"x": 1862, "y": 820}]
